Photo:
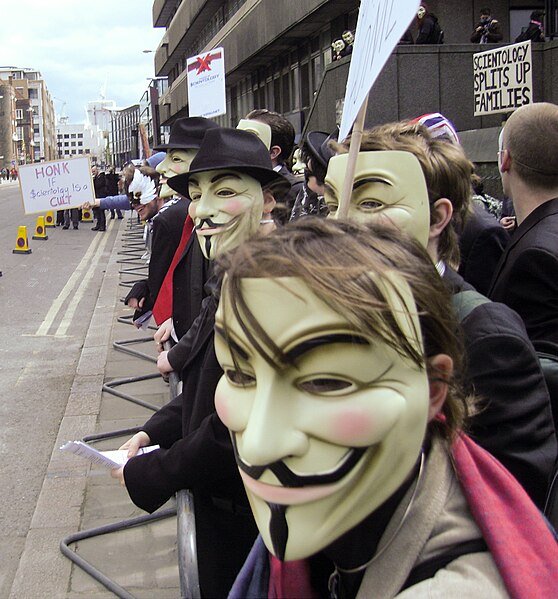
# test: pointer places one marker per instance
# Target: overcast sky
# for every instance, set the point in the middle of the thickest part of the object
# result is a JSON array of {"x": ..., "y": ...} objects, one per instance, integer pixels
[{"x": 78, "y": 46}]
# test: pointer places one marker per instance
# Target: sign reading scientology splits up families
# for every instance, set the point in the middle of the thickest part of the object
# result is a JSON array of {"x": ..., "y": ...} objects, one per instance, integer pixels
[{"x": 503, "y": 79}]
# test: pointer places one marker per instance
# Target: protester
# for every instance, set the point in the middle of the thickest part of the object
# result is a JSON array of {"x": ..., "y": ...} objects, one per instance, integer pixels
[
  {"x": 315, "y": 153},
  {"x": 481, "y": 238},
  {"x": 100, "y": 187},
  {"x": 527, "y": 277},
  {"x": 488, "y": 30},
  {"x": 422, "y": 186},
  {"x": 112, "y": 190},
  {"x": 535, "y": 30},
  {"x": 429, "y": 30},
  {"x": 228, "y": 184},
  {"x": 282, "y": 143},
  {"x": 170, "y": 231},
  {"x": 346, "y": 416}
]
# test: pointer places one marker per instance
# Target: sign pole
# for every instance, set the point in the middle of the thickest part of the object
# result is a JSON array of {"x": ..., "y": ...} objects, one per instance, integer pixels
[{"x": 356, "y": 138}]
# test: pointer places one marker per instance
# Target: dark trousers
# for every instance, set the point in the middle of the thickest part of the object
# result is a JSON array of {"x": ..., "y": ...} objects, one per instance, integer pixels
[
  {"x": 73, "y": 215},
  {"x": 99, "y": 214},
  {"x": 224, "y": 538}
]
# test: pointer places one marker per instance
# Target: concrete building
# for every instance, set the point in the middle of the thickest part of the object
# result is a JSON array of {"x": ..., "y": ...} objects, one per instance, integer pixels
[
  {"x": 80, "y": 140},
  {"x": 125, "y": 136},
  {"x": 282, "y": 60},
  {"x": 27, "y": 121}
]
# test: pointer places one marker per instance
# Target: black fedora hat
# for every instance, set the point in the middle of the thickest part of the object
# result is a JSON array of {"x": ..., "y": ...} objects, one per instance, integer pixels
[
  {"x": 318, "y": 145},
  {"x": 233, "y": 149},
  {"x": 187, "y": 133}
]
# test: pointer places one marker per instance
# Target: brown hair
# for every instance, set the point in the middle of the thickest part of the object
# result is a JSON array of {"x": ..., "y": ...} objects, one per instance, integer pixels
[
  {"x": 531, "y": 137},
  {"x": 335, "y": 259},
  {"x": 446, "y": 169}
]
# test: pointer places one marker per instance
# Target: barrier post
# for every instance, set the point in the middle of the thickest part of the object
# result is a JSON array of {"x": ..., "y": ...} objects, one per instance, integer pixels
[
  {"x": 49, "y": 219},
  {"x": 40, "y": 231}
]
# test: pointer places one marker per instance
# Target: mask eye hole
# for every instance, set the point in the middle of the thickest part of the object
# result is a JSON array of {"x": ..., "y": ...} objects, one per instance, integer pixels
[
  {"x": 239, "y": 378},
  {"x": 323, "y": 385}
]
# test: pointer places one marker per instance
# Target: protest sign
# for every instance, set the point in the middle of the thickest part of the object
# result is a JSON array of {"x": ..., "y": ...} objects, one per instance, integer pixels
[
  {"x": 56, "y": 185},
  {"x": 206, "y": 84},
  {"x": 502, "y": 79},
  {"x": 381, "y": 23}
]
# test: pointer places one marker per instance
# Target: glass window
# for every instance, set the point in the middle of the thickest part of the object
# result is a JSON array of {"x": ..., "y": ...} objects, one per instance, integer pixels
[
  {"x": 277, "y": 95},
  {"x": 304, "y": 85}
]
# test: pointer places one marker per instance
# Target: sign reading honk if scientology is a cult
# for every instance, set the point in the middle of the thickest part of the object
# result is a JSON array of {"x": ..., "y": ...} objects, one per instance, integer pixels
[{"x": 56, "y": 185}]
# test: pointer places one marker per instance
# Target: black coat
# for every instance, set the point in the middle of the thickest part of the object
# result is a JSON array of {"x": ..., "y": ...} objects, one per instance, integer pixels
[
  {"x": 284, "y": 205},
  {"x": 515, "y": 424},
  {"x": 166, "y": 233},
  {"x": 526, "y": 278},
  {"x": 481, "y": 244},
  {"x": 197, "y": 454},
  {"x": 188, "y": 286},
  {"x": 100, "y": 185}
]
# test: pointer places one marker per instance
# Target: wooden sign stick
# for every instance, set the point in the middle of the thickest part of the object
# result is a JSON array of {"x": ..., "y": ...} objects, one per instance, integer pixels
[{"x": 356, "y": 138}]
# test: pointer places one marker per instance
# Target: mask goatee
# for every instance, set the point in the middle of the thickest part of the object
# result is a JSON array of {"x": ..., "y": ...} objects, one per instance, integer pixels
[{"x": 278, "y": 529}]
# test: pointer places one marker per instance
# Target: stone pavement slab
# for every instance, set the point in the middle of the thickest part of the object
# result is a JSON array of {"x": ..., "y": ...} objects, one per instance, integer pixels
[{"x": 76, "y": 496}]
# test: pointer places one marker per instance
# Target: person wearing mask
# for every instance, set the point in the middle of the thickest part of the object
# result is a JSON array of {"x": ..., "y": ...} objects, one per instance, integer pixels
[{"x": 488, "y": 30}]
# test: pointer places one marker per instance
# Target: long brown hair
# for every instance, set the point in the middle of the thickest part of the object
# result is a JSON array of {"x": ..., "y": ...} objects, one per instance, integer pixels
[{"x": 341, "y": 263}]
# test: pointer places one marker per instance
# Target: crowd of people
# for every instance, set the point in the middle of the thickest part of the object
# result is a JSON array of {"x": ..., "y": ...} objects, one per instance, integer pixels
[{"x": 369, "y": 401}]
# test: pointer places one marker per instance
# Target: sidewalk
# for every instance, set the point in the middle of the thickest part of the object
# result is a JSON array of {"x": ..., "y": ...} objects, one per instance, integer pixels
[{"x": 75, "y": 496}]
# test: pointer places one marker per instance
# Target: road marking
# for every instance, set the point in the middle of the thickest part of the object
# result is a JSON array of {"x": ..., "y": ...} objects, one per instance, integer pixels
[
  {"x": 77, "y": 275},
  {"x": 80, "y": 291}
]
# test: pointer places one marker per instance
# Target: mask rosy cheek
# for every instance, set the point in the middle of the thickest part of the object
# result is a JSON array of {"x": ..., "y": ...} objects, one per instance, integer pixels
[
  {"x": 353, "y": 428},
  {"x": 221, "y": 407},
  {"x": 192, "y": 210},
  {"x": 234, "y": 207}
]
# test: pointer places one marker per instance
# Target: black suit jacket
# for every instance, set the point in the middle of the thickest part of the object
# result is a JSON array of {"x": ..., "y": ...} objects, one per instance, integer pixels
[
  {"x": 166, "y": 233},
  {"x": 481, "y": 245},
  {"x": 190, "y": 275},
  {"x": 515, "y": 422},
  {"x": 526, "y": 278},
  {"x": 196, "y": 453}
]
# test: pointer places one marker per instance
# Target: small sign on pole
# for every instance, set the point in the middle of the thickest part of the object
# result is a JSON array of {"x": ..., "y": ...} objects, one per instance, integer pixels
[
  {"x": 206, "y": 84},
  {"x": 503, "y": 79},
  {"x": 56, "y": 185},
  {"x": 381, "y": 23}
]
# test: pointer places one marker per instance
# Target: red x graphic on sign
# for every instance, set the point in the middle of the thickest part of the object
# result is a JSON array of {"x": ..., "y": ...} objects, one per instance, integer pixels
[{"x": 204, "y": 63}]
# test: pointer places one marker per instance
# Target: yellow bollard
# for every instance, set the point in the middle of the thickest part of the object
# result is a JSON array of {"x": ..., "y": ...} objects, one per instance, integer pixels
[
  {"x": 86, "y": 216},
  {"x": 40, "y": 231},
  {"x": 49, "y": 219},
  {"x": 21, "y": 246}
]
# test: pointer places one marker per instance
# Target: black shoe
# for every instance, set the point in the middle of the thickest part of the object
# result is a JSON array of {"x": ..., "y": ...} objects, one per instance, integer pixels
[
  {"x": 76, "y": 227},
  {"x": 101, "y": 229},
  {"x": 112, "y": 218},
  {"x": 66, "y": 227},
  {"x": 95, "y": 228},
  {"x": 120, "y": 217}
]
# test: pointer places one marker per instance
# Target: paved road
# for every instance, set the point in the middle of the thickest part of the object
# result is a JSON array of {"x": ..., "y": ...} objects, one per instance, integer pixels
[{"x": 47, "y": 300}]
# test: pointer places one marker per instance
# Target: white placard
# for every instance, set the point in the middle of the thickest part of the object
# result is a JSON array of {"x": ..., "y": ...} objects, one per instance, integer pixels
[
  {"x": 56, "y": 185},
  {"x": 206, "y": 84},
  {"x": 380, "y": 26},
  {"x": 503, "y": 79}
]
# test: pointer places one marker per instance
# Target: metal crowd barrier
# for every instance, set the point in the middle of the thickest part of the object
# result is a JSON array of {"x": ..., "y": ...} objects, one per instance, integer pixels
[{"x": 184, "y": 510}]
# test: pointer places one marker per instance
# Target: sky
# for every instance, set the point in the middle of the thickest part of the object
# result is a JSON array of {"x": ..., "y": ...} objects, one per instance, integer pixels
[{"x": 80, "y": 46}]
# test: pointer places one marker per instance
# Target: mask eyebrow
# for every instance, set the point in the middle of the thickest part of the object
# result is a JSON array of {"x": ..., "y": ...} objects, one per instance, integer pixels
[
  {"x": 231, "y": 342},
  {"x": 367, "y": 180},
  {"x": 224, "y": 176},
  {"x": 311, "y": 344}
]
